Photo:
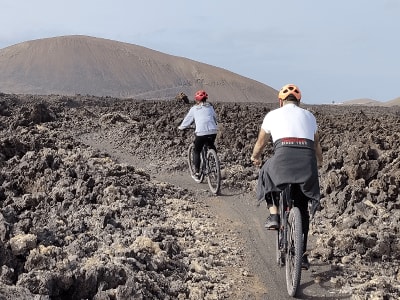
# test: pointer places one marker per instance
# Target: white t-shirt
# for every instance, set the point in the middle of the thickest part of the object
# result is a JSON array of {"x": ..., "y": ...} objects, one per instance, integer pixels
[{"x": 290, "y": 120}]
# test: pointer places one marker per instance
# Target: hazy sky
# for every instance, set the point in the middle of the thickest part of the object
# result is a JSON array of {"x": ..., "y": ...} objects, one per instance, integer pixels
[{"x": 333, "y": 50}]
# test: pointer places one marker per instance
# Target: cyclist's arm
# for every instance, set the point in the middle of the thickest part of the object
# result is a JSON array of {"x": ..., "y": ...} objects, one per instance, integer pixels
[
  {"x": 262, "y": 140},
  {"x": 215, "y": 117},
  {"x": 187, "y": 121},
  {"x": 318, "y": 149}
]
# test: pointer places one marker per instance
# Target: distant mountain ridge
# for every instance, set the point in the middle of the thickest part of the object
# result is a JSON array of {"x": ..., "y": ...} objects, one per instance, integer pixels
[
  {"x": 371, "y": 102},
  {"x": 70, "y": 65},
  {"x": 395, "y": 101}
]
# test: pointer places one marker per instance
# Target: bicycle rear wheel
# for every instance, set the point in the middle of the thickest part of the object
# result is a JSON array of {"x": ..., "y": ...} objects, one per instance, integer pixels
[
  {"x": 214, "y": 172},
  {"x": 294, "y": 252},
  {"x": 191, "y": 165}
]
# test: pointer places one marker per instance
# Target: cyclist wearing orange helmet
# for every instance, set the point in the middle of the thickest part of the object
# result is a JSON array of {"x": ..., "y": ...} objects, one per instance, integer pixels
[
  {"x": 205, "y": 118},
  {"x": 297, "y": 155}
]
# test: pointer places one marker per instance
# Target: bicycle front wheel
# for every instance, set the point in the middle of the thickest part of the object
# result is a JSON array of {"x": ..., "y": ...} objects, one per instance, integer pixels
[
  {"x": 294, "y": 252},
  {"x": 214, "y": 172}
]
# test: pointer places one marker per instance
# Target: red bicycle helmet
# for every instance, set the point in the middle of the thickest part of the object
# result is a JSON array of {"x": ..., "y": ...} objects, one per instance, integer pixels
[
  {"x": 201, "y": 95},
  {"x": 289, "y": 89}
]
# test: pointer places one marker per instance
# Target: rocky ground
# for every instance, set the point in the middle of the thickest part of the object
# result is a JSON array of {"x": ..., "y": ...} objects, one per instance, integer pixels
[{"x": 77, "y": 224}]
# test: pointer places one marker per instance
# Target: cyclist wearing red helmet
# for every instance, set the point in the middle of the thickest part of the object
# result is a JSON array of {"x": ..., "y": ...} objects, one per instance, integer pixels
[
  {"x": 205, "y": 118},
  {"x": 297, "y": 155}
]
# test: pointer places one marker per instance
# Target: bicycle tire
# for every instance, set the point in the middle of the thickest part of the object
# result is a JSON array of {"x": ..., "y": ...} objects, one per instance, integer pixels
[
  {"x": 294, "y": 251},
  {"x": 191, "y": 165},
  {"x": 214, "y": 172}
]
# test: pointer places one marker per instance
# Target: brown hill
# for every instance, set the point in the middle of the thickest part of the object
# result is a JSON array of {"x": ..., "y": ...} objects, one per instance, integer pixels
[{"x": 70, "y": 65}]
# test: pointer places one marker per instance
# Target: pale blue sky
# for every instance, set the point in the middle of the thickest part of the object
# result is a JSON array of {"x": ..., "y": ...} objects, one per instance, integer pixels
[{"x": 333, "y": 50}]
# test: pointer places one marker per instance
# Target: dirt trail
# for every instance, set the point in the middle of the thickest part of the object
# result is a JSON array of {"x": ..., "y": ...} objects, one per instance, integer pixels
[
  {"x": 240, "y": 213},
  {"x": 241, "y": 216}
]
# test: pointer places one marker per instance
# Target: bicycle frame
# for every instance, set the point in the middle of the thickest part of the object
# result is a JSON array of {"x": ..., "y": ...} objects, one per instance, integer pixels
[{"x": 284, "y": 209}]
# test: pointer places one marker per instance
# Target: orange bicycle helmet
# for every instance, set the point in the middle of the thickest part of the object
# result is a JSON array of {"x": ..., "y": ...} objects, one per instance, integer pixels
[
  {"x": 289, "y": 89},
  {"x": 201, "y": 95}
]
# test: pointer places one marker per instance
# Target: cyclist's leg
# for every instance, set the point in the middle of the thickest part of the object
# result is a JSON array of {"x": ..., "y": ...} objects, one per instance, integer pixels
[
  {"x": 272, "y": 200},
  {"x": 265, "y": 191},
  {"x": 305, "y": 219},
  {"x": 302, "y": 204},
  {"x": 210, "y": 140},
  {"x": 198, "y": 145}
]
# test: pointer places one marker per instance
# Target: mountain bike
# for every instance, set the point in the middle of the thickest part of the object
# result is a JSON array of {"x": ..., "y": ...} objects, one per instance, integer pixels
[
  {"x": 209, "y": 167},
  {"x": 289, "y": 239}
]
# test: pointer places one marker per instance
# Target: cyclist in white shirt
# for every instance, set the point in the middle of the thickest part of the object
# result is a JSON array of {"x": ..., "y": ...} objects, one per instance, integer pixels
[
  {"x": 205, "y": 119},
  {"x": 297, "y": 155}
]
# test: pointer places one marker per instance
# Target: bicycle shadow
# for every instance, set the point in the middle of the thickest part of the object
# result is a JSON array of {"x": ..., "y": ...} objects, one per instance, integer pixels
[
  {"x": 230, "y": 193},
  {"x": 322, "y": 279},
  {"x": 227, "y": 192}
]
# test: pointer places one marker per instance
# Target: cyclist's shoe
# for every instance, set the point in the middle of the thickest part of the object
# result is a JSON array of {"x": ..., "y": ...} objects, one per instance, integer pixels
[
  {"x": 196, "y": 176},
  {"x": 272, "y": 222},
  {"x": 305, "y": 265}
]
